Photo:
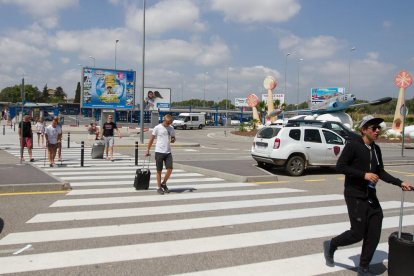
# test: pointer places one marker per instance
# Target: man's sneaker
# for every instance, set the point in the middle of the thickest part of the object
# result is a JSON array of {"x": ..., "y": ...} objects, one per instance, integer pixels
[
  {"x": 160, "y": 191},
  {"x": 364, "y": 271},
  {"x": 328, "y": 252},
  {"x": 165, "y": 188}
]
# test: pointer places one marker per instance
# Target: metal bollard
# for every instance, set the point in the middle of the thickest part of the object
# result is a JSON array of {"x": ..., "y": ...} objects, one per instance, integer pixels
[
  {"x": 82, "y": 152},
  {"x": 14, "y": 127},
  {"x": 68, "y": 139},
  {"x": 4, "y": 129},
  {"x": 136, "y": 153}
]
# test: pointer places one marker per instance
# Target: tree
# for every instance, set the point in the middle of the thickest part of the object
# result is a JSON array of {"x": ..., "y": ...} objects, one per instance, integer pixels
[
  {"x": 45, "y": 94},
  {"x": 60, "y": 94},
  {"x": 77, "y": 93},
  {"x": 13, "y": 94}
]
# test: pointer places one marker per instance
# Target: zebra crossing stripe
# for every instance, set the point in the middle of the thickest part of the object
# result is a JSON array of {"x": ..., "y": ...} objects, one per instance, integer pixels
[
  {"x": 174, "y": 225},
  {"x": 170, "y": 197},
  {"x": 313, "y": 264},
  {"x": 130, "y": 182},
  {"x": 119, "y": 176},
  {"x": 113, "y": 173},
  {"x": 112, "y": 254},
  {"x": 171, "y": 187},
  {"x": 182, "y": 208},
  {"x": 80, "y": 169}
]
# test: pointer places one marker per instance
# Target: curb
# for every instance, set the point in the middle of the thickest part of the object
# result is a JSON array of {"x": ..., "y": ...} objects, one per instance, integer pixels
[
  {"x": 227, "y": 176},
  {"x": 35, "y": 187}
]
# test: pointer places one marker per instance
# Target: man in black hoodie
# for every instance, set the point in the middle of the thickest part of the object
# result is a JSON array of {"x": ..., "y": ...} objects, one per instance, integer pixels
[{"x": 361, "y": 162}]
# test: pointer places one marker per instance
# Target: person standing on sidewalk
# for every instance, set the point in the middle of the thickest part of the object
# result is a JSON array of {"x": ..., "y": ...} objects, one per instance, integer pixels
[
  {"x": 165, "y": 135},
  {"x": 26, "y": 136},
  {"x": 40, "y": 130},
  {"x": 361, "y": 162},
  {"x": 108, "y": 135},
  {"x": 53, "y": 134}
]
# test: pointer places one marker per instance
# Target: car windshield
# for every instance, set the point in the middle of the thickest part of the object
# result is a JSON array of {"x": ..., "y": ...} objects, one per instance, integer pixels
[{"x": 268, "y": 132}]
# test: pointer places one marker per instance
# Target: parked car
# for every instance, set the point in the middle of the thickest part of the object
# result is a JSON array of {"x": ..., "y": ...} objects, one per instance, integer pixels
[
  {"x": 297, "y": 148},
  {"x": 338, "y": 127}
]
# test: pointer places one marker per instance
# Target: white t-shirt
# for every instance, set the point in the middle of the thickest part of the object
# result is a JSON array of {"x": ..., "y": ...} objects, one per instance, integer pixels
[
  {"x": 40, "y": 127},
  {"x": 53, "y": 133},
  {"x": 163, "y": 135}
]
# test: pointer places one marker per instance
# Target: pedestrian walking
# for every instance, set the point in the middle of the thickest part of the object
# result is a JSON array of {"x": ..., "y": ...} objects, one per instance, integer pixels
[
  {"x": 165, "y": 135},
  {"x": 108, "y": 134},
  {"x": 361, "y": 162},
  {"x": 53, "y": 134},
  {"x": 26, "y": 136},
  {"x": 40, "y": 130}
]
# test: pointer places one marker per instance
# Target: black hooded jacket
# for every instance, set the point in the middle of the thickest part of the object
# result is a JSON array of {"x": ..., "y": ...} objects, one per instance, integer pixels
[{"x": 356, "y": 160}]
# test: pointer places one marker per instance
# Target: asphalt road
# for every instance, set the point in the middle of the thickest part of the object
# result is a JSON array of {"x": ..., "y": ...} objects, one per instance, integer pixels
[{"x": 103, "y": 227}]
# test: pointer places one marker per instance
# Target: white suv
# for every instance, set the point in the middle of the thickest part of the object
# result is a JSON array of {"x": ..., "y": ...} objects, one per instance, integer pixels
[{"x": 297, "y": 148}]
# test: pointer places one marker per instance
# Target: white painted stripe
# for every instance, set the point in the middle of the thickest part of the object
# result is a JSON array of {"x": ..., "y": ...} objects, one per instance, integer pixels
[
  {"x": 113, "y": 172},
  {"x": 121, "y": 176},
  {"x": 130, "y": 182},
  {"x": 175, "y": 209},
  {"x": 174, "y": 225},
  {"x": 81, "y": 169},
  {"x": 313, "y": 264},
  {"x": 112, "y": 254},
  {"x": 171, "y": 187},
  {"x": 169, "y": 197}
]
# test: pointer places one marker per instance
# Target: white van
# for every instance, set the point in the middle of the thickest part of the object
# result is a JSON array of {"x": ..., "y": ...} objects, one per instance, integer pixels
[{"x": 190, "y": 121}]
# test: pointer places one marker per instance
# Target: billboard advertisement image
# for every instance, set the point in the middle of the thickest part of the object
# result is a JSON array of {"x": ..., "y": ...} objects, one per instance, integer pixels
[
  {"x": 280, "y": 97},
  {"x": 322, "y": 94},
  {"x": 157, "y": 98},
  {"x": 108, "y": 88}
]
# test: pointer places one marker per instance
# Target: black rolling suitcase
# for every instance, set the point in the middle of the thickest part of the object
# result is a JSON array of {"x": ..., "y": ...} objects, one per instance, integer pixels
[
  {"x": 142, "y": 177},
  {"x": 401, "y": 250},
  {"x": 98, "y": 149}
]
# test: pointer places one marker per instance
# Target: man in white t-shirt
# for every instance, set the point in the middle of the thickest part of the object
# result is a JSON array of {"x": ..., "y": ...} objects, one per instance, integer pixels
[
  {"x": 165, "y": 135},
  {"x": 53, "y": 135}
]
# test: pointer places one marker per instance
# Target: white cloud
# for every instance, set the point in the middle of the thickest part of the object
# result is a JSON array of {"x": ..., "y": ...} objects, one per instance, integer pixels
[
  {"x": 247, "y": 11},
  {"x": 311, "y": 48},
  {"x": 165, "y": 16},
  {"x": 387, "y": 24},
  {"x": 40, "y": 8}
]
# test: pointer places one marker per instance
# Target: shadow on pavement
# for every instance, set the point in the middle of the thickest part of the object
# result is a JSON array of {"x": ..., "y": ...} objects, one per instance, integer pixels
[{"x": 308, "y": 171}]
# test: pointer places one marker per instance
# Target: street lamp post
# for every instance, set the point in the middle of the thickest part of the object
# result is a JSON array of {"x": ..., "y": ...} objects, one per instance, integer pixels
[
  {"x": 204, "y": 90},
  {"x": 288, "y": 54},
  {"x": 141, "y": 102},
  {"x": 91, "y": 57},
  {"x": 349, "y": 69},
  {"x": 297, "y": 99},
  {"x": 116, "y": 43}
]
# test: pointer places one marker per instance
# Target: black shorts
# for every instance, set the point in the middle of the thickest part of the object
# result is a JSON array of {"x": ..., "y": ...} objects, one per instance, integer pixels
[{"x": 161, "y": 158}]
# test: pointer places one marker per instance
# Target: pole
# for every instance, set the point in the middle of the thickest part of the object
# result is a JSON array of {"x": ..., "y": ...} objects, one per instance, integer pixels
[
  {"x": 68, "y": 139},
  {"x": 21, "y": 122},
  {"x": 288, "y": 54},
  {"x": 136, "y": 153},
  {"x": 116, "y": 43},
  {"x": 297, "y": 99},
  {"x": 349, "y": 69},
  {"x": 82, "y": 152},
  {"x": 141, "y": 103}
]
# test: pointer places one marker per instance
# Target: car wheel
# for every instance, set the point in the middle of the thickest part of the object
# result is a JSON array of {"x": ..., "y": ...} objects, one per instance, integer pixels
[
  {"x": 184, "y": 127},
  {"x": 295, "y": 166},
  {"x": 200, "y": 127},
  {"x": 261, "y": 164}
]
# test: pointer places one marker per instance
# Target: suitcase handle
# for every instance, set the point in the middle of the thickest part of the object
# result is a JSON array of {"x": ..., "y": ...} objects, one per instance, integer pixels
[
  {"x": 401, "y": 214},
  {"x": 149, "y": 160}
]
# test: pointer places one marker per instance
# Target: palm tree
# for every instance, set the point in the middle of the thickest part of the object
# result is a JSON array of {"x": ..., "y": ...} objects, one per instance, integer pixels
[{"x": 261, "y": 109}]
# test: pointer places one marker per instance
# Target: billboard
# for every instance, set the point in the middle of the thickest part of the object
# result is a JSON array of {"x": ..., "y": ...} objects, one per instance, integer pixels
[
  {"x": 280, "y": 97},
  {"x": 157, "y": 98},
  {"x": 108, "y": 88},
  {"x": 322, "y": 94},
  {"x": 240, "y": 102}
]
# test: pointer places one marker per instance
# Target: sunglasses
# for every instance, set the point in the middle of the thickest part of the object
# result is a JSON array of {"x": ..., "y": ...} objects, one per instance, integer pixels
[{"x": 374, "y": 128}]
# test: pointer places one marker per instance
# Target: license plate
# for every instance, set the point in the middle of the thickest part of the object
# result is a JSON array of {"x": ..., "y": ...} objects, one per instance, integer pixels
[{"x": 261, "y": 144}]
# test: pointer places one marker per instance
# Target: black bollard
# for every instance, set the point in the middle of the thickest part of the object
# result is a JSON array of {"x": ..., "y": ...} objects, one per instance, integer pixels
[
  {"x": 14, "y": 127},
  {"x": 82, "y": 152},
  {"x": 136, "y": 153},
  {"x": 4, "y": 129},
  {"x": 68, "y": 139}
]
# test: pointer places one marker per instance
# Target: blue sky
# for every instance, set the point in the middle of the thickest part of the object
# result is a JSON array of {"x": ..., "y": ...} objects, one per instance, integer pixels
[{"x": 192, "y": 45}]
